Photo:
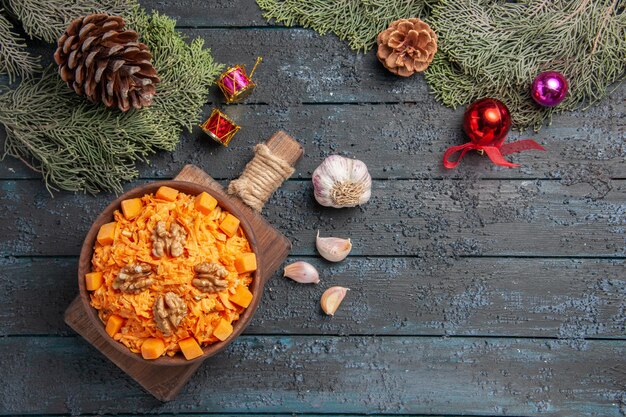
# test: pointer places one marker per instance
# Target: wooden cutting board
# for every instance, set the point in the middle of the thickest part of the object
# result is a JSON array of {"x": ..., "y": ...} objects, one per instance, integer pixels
[{"x": 165, "y": 383}]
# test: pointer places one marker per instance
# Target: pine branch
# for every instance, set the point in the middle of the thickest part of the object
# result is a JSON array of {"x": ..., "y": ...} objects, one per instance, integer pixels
[
  {"x": 357, "y": 21},
  {"x": 186, "y": 69},
  {"x": 15, "y": 61},
  {"x": 496, "y": 49},
  {"x": 80, "y": 146},
  {"x": 490, "y": 48},
  {"x": 47, "y": 19}
]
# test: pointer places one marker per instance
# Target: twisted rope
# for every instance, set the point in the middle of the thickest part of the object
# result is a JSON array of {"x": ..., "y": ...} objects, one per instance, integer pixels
[{"x": 261, "y": 177}]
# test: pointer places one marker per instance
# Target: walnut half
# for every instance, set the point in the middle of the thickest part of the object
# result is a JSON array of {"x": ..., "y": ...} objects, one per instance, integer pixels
[
  {"x": 210, "y": 277},
  {"x": 170, "y": 242},
  {"x": 133, "y": 278},
  {"x": 169, "y": 310}
]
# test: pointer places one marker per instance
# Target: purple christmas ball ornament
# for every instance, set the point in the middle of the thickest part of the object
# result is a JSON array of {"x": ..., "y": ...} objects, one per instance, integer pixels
[{"x": 549, "y": 88}]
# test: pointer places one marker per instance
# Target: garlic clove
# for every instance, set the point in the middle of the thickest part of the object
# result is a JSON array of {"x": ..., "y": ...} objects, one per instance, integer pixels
[
  {"x": 333, "y": 249},
  {"x": 302, "y": 272},
  {"x": 332, "y": 298},
  {"x": 342, "y": 182}
]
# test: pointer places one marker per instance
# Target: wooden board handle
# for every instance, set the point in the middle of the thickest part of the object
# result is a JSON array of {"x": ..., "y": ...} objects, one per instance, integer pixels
[
  {"x": 265, "y": 173},
  {"x": 285, "y": 147}
]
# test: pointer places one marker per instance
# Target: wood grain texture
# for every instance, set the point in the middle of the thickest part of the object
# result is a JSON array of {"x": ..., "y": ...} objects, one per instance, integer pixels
[
  {"x": 464, "y": 253},
  {"x": 217, "y": 13},
  {"x": 561, "y": 298},
  {"x": 401, "y": 140},
  {"x": 430, "y": 219},
  {"x": 411, "y": 144},
  {"x": 163, "y": 383},
  {"x": 333, "y": 375},
  {"x": 285, "y": 147},
  {"x": 301, "y": 415},
  {"x": 409, "y": 147},
  {"x": 310, "y": 415}
]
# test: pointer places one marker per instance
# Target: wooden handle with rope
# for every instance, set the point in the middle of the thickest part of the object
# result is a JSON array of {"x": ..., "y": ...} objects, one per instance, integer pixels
[{"x": 273, "y": 163}]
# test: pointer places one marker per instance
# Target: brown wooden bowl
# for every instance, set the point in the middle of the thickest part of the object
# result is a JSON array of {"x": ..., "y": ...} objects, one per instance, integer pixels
[{"x": 86, "y": 253}]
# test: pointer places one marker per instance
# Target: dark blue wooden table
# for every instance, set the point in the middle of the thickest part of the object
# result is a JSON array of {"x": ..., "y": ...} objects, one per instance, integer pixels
[{"x": 476, "y": 291}]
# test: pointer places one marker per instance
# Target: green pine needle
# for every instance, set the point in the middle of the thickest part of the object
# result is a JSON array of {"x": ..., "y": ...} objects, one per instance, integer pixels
[
  {"x": 80, "y": 146},
  {"x": 488, "y": 47},
  {"x": 496, "y": 49},
  {"x": 48, "y": 19},
  {"x": 357, "y": 21},
  {"x": 15, "y": 61}
]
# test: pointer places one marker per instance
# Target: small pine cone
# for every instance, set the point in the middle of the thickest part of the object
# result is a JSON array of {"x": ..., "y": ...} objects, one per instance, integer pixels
[
  {"x": 97, "y": 57},
  {"x": 407, "y": 46}
]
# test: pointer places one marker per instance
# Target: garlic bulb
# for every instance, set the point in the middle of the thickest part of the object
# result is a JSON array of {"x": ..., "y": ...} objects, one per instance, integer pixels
[
  {"x": 332, "y": 298},
  {"x": 342, "y": 182},
  {"x": 333, "y": 249},
  {"x": 302, "y": 272}
]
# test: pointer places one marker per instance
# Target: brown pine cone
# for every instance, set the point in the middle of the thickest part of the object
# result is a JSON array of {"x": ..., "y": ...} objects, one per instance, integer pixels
[
  {"x": 407, "y": 46},
  {"x": 97, "y": 57}
]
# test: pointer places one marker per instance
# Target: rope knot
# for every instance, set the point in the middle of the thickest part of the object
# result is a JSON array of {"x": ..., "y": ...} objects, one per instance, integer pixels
[{"x": 261, "y": 177}]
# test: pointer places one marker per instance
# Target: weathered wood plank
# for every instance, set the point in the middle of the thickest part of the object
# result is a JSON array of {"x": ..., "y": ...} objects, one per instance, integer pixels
[
  {"x": 329, "y": 71},
  {"x": 409, "y": 138},
  {"x": 562, "y": 298},
  {"x": 216, "y": 13},
  {"x": 332, "y": 375},
  {"x": 435, "y": 220},
  {"x": 578, "y": 148},
  {"x": 439, "y": 219},
  {"x": 291, "y": 414},
  {"x": 583, "y": 214}
]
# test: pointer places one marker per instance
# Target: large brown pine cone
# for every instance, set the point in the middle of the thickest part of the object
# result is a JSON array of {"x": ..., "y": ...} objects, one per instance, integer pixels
[
  {"x": 407, "y": 46},
  {"x": 97, "y": 57}
]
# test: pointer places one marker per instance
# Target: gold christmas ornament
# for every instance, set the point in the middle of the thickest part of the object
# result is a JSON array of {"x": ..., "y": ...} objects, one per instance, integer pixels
[
  {"x": 236, "y": 84},
  {"x": 100, "y": 59},
  {"x": 407, "y": 46},
  {"x": 220, "y": 127}
]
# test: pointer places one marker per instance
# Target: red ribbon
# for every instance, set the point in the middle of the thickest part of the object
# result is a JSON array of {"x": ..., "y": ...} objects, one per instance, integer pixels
[{"x": 495, "y": 153}]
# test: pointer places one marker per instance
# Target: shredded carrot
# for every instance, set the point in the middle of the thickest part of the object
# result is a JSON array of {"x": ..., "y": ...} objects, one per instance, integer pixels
[{"x": 205, "y": 243}]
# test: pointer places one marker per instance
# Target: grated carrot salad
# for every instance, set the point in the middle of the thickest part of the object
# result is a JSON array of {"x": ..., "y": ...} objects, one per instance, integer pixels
[{"x": 205, "y": 243}]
